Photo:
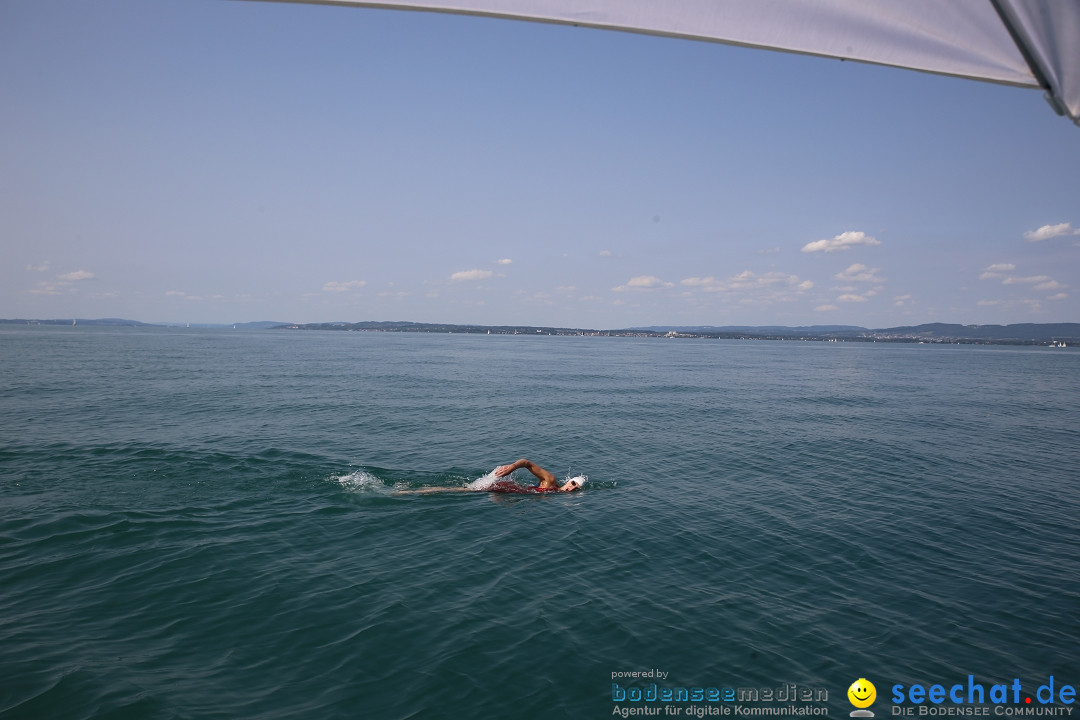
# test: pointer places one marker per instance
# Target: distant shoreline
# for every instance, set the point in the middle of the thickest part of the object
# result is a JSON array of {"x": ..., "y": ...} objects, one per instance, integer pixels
[{"x": 1046, "y": 334}]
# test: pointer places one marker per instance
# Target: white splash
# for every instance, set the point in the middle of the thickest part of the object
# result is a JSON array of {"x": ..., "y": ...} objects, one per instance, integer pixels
[
  {"x": 484, "y": 482},
  {"x": 360, "y": 481}
]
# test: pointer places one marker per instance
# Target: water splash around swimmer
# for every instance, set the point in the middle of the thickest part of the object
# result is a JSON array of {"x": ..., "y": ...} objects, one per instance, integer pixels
[
  {"x": 360, "y": 481},
  {"x": 483, "y": 483}
]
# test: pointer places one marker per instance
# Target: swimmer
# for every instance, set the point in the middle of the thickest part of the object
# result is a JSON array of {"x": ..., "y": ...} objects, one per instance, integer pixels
[{"x": 548, "y": 483}]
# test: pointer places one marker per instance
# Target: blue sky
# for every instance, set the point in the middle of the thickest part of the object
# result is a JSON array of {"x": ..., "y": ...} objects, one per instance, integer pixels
[{"x": 226, "y": 161}]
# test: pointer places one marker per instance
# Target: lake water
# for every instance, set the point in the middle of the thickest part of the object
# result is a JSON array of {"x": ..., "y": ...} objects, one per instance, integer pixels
[{"x": 207, "y": 524}]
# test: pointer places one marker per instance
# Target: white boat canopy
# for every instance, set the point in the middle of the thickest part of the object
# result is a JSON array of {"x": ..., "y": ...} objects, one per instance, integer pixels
[{"x": 1028, "y": 43}]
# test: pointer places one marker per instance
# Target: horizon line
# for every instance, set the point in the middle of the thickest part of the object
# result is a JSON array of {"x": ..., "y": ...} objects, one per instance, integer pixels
[{"x": 278, "y": 323}]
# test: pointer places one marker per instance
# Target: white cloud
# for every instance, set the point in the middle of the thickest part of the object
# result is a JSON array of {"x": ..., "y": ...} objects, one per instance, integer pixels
[
  {"x": 860, "y": 273},
  {"x": 747, "y": 279},
  {"x": 901, "y": 300},
  {"x": 843, "y": 241},
  {"x": 644, "y": 282},
  {"x": 996, "y": 271},
  {"x": 1030, "y": 280},
  {"x": 339, "y": 287},
  {"x": 1042, "y": 283},
  {"x": 62, "y": 282},
  {"x": 749, "y": 287},
  {"x": 44, "y": 288},
  {"x": 1050, "y": 231},
  {"x": 471, "y": 275},
  {"x": 1058, "y": 296},
  {"x": 539, "y": 298},
  {"x": 39, "y": 268},
  {"x": 185, "y": 296},
  {"x": 504, "y": 261},
  {"x": 825, "y": 308}
]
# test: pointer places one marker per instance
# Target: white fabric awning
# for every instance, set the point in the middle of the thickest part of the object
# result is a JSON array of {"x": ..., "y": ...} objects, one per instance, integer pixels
[{"x": 1032, "y": 43}]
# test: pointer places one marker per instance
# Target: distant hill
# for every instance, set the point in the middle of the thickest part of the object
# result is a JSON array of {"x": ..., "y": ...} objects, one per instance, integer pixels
[
  {"x": 405, "y": 326},
  {"x": 120, "y": 322},
  {"x": 938, "y": 332},
  {"x": 753, "y": 329},
  {"x": 1027, "y": 333},
  {"x": 1020, "y": 333},
  {"x": 258, "y": 325},
  {"x": 78, "y": 321}
]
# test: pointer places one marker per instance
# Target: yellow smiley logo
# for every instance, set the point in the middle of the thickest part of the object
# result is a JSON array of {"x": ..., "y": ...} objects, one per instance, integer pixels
[{"x": 862, "y": 693}]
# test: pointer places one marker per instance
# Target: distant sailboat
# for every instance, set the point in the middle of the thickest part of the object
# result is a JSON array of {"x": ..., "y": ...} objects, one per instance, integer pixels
[{"x": 74, "y": 323}]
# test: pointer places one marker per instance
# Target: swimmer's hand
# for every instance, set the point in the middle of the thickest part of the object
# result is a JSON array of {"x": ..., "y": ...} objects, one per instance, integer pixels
[{"x": 504, "y": 470}]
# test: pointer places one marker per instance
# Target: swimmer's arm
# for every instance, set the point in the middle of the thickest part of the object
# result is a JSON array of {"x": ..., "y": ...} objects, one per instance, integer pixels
[{"x": 543, "y": 475}]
